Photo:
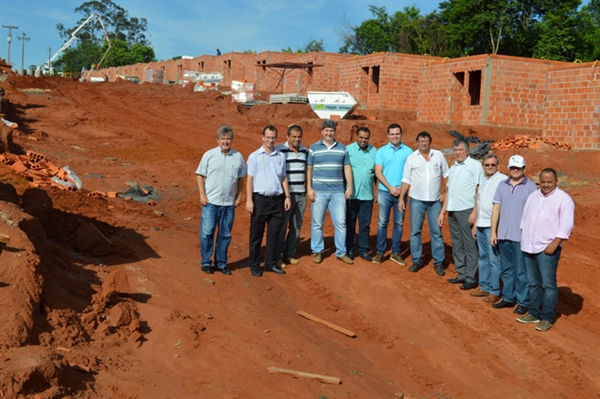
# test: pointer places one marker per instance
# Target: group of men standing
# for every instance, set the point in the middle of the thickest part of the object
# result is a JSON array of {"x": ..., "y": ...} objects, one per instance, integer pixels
[{"x": 490, "y": 226}]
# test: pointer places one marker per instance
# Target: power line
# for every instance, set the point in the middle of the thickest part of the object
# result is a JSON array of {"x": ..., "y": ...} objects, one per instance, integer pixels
[{"x": 9, "y": 37}]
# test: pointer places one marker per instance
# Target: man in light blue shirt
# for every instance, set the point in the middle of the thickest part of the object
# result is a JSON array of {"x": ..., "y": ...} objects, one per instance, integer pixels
[
  {"x": 389, "y": 168},
  {"x": 360, "y": 205},
  {"x": 267, "y": 197},
  {"x": 219, "y": 176},
  {"x": 460, "y": 201}
]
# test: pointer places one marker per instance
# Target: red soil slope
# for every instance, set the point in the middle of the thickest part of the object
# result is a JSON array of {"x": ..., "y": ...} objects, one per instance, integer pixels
[{"x": 104, "y": 298}]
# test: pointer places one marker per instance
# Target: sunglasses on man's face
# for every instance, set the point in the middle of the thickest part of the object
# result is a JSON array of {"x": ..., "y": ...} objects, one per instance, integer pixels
[{"x": 489, "y": 165}]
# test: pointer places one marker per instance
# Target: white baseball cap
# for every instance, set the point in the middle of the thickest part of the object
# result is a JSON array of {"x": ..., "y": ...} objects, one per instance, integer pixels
[{"x": 516, "y": 161}]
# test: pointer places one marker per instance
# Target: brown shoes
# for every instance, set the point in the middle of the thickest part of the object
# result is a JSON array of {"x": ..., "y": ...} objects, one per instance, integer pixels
[
  {"x": 291, "y": 261},
  {"x": 479, "y": 293},
  {"x": 317, "y": 258},
  {"x": 491, "y": 298},
  {"x": 346, "y": 259}
]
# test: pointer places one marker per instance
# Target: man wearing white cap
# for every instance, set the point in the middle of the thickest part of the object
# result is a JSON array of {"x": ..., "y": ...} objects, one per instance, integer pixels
[{"x": 509, "y": 201}]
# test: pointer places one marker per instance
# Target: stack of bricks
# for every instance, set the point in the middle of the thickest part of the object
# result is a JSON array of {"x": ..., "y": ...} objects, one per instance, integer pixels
[
  {"x": 526, "y": 141},
  {"x": 36, "y": 168}
]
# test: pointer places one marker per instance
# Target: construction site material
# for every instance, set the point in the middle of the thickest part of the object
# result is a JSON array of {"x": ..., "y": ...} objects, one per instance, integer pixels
[
  {"x": 155, "y": 75},
  {"x": 242, "y": 92},
  {"x": 4, "y": 238},
  {"x": 206, "y": 77},
  {"x": 287, "y": 99},
  {"x": 41, "y": 172},
  {"x": 132, "y": 79},
  {"x": 46, "y": 67},
  {"x": 10, "y": 124},
  {"x": 300, "y": 374},
  {"x": 327, "y": 324},
  {"x": 332, "y": 105},
  {"x": 526, "y": 141}
]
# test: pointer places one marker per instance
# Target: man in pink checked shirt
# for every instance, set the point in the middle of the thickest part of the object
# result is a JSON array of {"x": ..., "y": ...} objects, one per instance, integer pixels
[{"x": 547, "y": 220}]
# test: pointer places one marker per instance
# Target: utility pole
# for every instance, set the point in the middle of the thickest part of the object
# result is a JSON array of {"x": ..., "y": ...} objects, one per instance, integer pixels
[
  {"x": 24, "y": 39},
  {"x": 9, "y": 37}
]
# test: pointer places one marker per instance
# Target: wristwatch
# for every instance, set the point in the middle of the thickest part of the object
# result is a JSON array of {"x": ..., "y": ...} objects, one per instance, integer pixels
[{"x": 288, "y": 196}]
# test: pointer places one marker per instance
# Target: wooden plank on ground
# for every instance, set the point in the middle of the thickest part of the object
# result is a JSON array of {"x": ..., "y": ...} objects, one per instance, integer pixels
[
  {"x": 327, "y": 324},
  {"x": 4, "y": 238},
  {"x": 301, "y": 374}
]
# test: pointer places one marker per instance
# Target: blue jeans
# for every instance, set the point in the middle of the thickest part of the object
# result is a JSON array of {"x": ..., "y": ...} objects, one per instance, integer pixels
[
  {"x": 386, "y": 202},
  {"x": 489, "y": 262},
  {"x": 514, "y": 274},
  {"x": 361, "y": 210},
  {"x": 336, "y": 203},
  {"x": 543, "y": 291},
  {"x": 417, "y": 217},
  {"x": 213, "y": 217}
]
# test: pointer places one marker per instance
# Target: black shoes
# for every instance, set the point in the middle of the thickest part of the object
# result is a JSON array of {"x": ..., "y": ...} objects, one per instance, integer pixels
[
  {"x": 521, "y": 309},
  {"x": 456, "y": 280},
  {"x": 415, "y": 267},
  {"x": 257, "y": 272},
  {"x": 468, "y": 286},
  {"x": 226, "y": 271},
  {"x": 503, "y": 304},
  {"x": 207, "y": 269},
  {"x": 439, "y": 269},
  {"x": 366, "y": 257},
  {"x": 351, "y": 254},
  {"x": 275, "y": 269}
]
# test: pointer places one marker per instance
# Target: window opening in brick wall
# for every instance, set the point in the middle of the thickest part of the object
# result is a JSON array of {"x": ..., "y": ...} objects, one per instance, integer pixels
[
  {"x": 475, "y": 86},
  {"x": 228, "y": 63},
  {"x": 460, "y": 76},
  {"x": 201, "y": 65},
  {"x": 375, "y": 77},
  {"x": 263, "y": 62},
  {"x": 366, "y": 70},
  {"x": 310, "y": 69}
]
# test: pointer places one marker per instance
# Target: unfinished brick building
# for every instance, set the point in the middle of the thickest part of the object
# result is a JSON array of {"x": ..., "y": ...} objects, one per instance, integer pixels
[{"x": 560, "y": 99}]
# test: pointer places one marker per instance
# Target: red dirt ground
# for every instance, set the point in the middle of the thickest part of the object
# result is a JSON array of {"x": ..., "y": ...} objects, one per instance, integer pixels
[{"x": 104, "y": 298}]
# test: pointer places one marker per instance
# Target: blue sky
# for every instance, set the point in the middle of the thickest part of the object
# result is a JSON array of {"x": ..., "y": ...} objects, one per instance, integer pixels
[{"x": 194, "y": 27}]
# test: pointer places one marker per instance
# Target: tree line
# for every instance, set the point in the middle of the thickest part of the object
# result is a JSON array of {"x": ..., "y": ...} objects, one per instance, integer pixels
[{"x": 546, "y": 29}]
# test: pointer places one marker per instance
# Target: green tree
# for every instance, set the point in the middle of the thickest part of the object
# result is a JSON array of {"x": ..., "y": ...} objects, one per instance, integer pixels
[
  {"x": 557, "y": 32},
  {"x": 373, "y": 35},
  {"x": 313, "y": 46},
  {"x": 588, "y": 29}
]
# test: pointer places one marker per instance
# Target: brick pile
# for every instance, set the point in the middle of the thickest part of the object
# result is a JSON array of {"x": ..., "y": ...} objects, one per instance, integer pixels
[
  {"x": 34, "y": 167},
  {"x": 525, "y": 141}
]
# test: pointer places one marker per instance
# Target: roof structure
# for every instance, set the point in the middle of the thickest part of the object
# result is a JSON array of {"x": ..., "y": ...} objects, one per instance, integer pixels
[{"x": 287, "y": 67}]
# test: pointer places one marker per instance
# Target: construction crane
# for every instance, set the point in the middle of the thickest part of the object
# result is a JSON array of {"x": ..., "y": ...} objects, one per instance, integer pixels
[{"x": 45, "y": 68}]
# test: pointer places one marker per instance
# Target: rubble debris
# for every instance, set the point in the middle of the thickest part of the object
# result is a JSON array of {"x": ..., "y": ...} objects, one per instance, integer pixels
[
  {"x": 140, "y": 193},
  {"x": 526, "y": 141},
  {"x": 40, "y": 171}
]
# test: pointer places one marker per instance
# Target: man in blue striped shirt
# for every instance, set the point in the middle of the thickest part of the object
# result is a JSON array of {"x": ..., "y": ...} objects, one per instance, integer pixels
[
  {"x": 295, "y": 163},
  {"x": 328, "y": 167}
]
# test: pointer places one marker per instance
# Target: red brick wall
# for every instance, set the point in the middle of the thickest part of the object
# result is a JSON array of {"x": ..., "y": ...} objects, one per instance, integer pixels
[
  {"x": 572, "y": 113},
  {"x": 561, "y": 98}
]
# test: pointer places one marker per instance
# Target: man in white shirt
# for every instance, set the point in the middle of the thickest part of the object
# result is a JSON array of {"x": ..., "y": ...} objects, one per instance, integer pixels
[
  {"x": 461, "y": 203},
  {"x": 489, "y": 255},
  {"x": 424, "y": 172}
]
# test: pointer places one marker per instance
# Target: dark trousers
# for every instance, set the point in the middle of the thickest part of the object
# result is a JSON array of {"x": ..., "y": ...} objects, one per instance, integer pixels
[
  {"x": 464, "y": 246},
  {"x": 267, "y": 211},
  {"x": 361, "y": 210}
]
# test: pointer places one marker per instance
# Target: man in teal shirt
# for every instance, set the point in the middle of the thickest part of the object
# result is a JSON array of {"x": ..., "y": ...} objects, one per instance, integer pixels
[{"x": 360, "y": 205}]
